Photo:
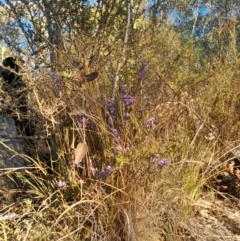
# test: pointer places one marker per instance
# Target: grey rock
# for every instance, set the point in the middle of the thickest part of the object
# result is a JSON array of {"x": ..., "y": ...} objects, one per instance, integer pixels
[{"x": 11, "y": 149}]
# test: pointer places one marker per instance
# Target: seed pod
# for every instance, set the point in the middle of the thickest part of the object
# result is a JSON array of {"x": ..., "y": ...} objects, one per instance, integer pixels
[{"x": 92, "y": 76}]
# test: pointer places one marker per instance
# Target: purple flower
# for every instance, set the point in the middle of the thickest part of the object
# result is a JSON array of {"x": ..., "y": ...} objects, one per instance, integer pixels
[
  {"x": 110, "y": 121},
  {"x": 123, "y": 90},
  {"x": 121, "y": 149},
  {"x": 132, "y": 89},
  {"x": 117, "y": 149},
  {"x": 105, "y": 172},
  {"x": 126, "y": 115},
  {"x": 128, "y": 100},
  {"x": 147, "y": 102},
  {"x": 83, "y": 122},
  {"x": 162, "y": 163},
  {"x": 111, "y": 107},
  {"x": 93, "y": 170},
  {"x": 155, "y": 159},
  {"x": 150, "y": 123},
  {"x": 61, "y": 184},
  {"x": 115, "y": 133},
  {"x": 126, "y": 150},
  {"x": 108, "y": 170},
  {"x": 143, "y": 71}
]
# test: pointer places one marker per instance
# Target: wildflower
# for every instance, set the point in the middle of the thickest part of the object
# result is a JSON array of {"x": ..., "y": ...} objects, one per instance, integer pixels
[
  {"x": 126, "y": 115},
  {"x": 105, "y": 172},
  {"x": 143, "y": 71},
  {"x": 132, "y": 89},
  {"x": 121, "y": 149},
  {"x": 111, "y": 107},
  {"x": 83, "y": 122},
  {"x": 126, "y": 150},
  {"x": 117, "y": 149},
  {"x": 93, "y": 170},
  {"x": 62, "y": 184},
  {"x": 155, "y": 159},
  {"x": 147, "y": 101},
  {"x": 110, "y": 121},
  {"x": 162, "y": 163},
  {"x": 128, "y": 100},
  {"x": 8, "y": 216},
  {"x": 115, "y": 133},
  {"x": 108, "y": 170},
  {"x": 123, "y": 90},
  {"x": 150, "y": 123}
]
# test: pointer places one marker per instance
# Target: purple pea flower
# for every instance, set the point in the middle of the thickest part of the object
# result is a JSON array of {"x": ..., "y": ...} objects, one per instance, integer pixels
[
  {"x": 128, "y": 100},
  {"x": 123, "y": 90},
  {"x": 162, "y": 163},
  {"x": 115, "y": 133},
  {"x": 93, "y": 170},
  {"x": 132, "y": 89},
  {"x": 126, "y": 150},
  {"x": 105, "y": 172},
  {"x": 126, "y": 115},
  {"x": 117, "y": 149},
  {"x": 111, "y": 107},
  {"x": 83, "y": 122},
  {"x": 110, "y": 121},
  {"x": 121, "y": 149},
  {"x": 143, "y": 71},
  {"x": 150, "y": 123},
  {"x": 155, "y": 159},
  {"x": 108, "y": 170}
]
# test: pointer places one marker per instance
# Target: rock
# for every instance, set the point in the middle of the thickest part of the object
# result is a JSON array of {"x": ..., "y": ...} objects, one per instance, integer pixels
[{"x": 11, "y": 148}]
